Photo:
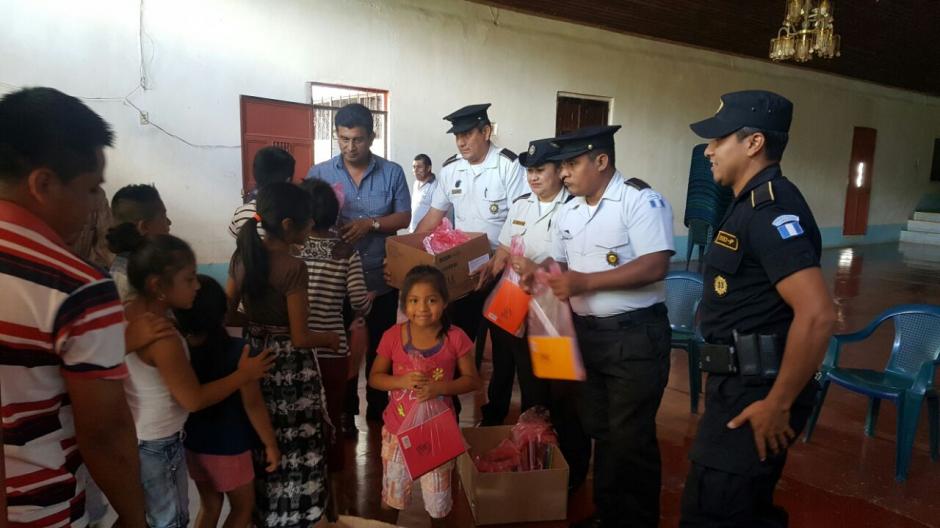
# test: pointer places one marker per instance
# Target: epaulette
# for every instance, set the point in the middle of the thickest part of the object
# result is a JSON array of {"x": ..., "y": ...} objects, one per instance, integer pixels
[
  {"x": 449, "y": 160},
  {"x": 637, "y": 184},
  {"x": 569, "y": 198},
  {"x": 509, "y": 154},
  {"x": 762, "y": 195},
  {"x": 522, "y": 197}
]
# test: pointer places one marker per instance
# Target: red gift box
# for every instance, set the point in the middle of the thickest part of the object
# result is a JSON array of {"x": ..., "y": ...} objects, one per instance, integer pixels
[{"x": 431, "y": 444}]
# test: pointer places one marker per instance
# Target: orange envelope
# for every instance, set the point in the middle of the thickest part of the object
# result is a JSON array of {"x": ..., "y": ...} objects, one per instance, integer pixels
[
  {"x": 556, "y": 357},
  {"x": 508, "y": 306}
]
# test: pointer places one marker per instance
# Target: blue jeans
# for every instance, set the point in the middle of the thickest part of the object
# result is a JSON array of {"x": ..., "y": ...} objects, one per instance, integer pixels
[{"x": 165, "y": 481}]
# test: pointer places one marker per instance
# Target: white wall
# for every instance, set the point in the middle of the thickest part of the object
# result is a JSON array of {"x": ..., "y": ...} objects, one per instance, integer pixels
[{"x": 433, "y": 56}]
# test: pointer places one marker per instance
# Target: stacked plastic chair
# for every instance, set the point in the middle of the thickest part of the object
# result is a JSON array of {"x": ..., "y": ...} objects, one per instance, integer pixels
[{"x": 705, "y": 205}]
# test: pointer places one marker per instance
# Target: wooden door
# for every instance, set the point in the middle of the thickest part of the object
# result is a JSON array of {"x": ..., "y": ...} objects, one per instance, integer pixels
[
  {"x": 858, "y": 191},
  {"x": 284, "y": 124},
  {"x": 573, "y": 113}
]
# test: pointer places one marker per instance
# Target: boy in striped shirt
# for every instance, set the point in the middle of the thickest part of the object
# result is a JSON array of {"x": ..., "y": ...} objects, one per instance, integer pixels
[{"x": 61, "y": 323}]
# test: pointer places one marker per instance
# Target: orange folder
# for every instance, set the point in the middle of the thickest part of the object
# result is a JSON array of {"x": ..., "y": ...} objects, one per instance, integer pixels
[
  {"x": 508, "y": 307},
  {"x": 556, "y": 357}
]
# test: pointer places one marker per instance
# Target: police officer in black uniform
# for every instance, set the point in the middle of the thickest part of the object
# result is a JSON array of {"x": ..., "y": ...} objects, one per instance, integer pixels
[{"x": 766, "y": 317}]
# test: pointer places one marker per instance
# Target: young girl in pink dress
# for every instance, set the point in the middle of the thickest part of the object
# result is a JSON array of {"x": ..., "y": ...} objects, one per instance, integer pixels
[{"x": 416, "y": 362}]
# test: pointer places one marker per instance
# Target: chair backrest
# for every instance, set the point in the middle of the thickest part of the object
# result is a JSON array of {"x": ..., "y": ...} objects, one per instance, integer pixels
[
  {"x": 683, "y": 294},
  {"x": 916, "y": 337}
]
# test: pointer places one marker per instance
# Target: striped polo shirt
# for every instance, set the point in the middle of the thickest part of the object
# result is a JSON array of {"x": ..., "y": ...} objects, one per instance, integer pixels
[{"x": 60, "y": 316}]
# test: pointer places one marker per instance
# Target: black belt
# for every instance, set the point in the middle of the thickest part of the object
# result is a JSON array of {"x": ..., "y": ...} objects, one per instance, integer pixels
[
  {"x": 755, "y": 357},
  {"x": 616, "y": 322}
]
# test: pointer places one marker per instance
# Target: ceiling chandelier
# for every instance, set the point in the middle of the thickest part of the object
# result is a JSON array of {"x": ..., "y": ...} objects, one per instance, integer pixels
[{"x": 807, "y": 29}]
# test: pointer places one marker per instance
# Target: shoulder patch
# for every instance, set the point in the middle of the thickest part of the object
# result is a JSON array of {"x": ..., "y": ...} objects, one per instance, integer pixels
[
  {"x": 637, "y": 184},
  {"x": 522, "y": 197},
  {"x": 509, "y": 154},
  {"x": 788, "y": 226},
  {"x": 449, "y": 160},
  {"x": 762, "y": 195}
]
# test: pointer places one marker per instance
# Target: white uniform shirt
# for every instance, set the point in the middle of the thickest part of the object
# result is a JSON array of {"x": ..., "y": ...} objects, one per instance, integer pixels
[
  {"x": 481, "y": 193},
  {"x": 533, "y": 224},
  {"x": 421, "y": 194},
  {"x": 628, "y": 223}
]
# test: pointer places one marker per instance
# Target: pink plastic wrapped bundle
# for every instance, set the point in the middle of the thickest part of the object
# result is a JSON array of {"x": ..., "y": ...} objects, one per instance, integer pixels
[
  {"x": 529, "y": 447},
  {"x": 533, "y": 436},
  {"x": 444, "y": 237},
  {"x": 502, "y": 458}
]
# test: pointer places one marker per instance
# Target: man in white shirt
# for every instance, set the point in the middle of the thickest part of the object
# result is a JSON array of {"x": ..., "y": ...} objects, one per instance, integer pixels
[{"x": 423, "y": 190}]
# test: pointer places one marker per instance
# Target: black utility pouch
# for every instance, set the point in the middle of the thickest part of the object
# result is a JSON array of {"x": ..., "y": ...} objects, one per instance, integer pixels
[
  {"x": 717, "y": 359},
  {"x": 749, "y": 359},
  {"x": 770, "y": 352}
]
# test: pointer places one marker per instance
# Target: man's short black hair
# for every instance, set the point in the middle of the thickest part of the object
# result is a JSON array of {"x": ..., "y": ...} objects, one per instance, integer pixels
[
  {"x": 272, "y": 164},
  {"x": 354, "y": 115},
  {"x": 774, "y": 142},
  {"x": 611, "y": 155},
  {"x": 136, "y": 203},
  {"x": 43, "y": 127},
  {"x": 424, "y": 158}
]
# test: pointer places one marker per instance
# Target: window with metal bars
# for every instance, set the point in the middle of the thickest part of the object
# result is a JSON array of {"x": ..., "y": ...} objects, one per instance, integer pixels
[{"x": 327, "y": 99}]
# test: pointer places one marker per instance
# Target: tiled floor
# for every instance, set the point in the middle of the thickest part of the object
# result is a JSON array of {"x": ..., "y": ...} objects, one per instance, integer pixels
[{"x": 841, "y": 478}]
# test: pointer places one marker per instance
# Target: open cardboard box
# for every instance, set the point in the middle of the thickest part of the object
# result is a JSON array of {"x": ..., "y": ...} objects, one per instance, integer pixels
[
  {"x": 511, "y": 497},
  {"x": 407, "y": 251}
]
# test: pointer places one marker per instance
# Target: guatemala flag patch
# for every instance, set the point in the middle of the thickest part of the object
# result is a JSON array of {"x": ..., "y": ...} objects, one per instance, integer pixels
[{"x": 788, "y": 226}]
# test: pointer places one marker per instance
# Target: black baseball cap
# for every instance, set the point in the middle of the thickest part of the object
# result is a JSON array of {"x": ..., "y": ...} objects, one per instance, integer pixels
[
  {"x": 583, "y": 140},
  {"x": 467, "y": 118},
  {"x": 750, "y": 108},
  {"x": 539, "y": 152}
]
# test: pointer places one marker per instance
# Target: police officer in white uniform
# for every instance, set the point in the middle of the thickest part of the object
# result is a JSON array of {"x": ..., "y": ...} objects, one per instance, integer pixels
[
  {"x": 615, "y": 238},
  {"x": 479, "y": 183},
  {"x": 530, "y": 219},
  {"x": 530, "y": 216}
]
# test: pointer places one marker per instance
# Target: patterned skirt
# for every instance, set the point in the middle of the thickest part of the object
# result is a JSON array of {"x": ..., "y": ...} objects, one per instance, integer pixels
[{"x": 296, "y": 493}]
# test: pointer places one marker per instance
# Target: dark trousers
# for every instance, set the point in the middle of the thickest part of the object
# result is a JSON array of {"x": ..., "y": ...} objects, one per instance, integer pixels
[
  {"x": 728, "y": 486},
  {"x": 381, "y": 318},
  {"x": 511, "y": 358},
  {"x": 627, "y": 362},
  {"x": 575, "y": 444},
  {"x": 466, "y": 313}
]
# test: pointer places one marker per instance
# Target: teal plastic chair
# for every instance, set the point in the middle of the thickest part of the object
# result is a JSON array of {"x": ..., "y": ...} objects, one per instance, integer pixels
[
  {"x": 907, "y": 380},
  {"x": 683, "y": 295}
]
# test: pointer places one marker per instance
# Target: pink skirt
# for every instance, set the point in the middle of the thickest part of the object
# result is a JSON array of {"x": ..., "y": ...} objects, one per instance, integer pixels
[{"x": 223, "y": 472}]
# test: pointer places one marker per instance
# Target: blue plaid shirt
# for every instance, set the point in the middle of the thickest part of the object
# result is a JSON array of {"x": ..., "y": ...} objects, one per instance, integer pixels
[{"x": 383, "y": 191}]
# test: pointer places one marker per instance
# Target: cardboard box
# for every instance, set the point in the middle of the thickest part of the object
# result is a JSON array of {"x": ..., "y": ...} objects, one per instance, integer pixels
[
  {"x": 407, "y": 251},
  {"x": 511, "y": 497}
]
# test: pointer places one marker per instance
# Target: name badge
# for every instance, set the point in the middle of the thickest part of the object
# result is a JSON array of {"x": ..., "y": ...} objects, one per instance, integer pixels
[
  {"x": 456, "y": 191},
  {"x": 726, "y": 240},
  {"x": 518, "y": 222}
]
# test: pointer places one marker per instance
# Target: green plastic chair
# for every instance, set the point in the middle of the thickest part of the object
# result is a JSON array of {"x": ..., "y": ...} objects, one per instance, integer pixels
[
  {"x": 683, "y": 295},
  {"x": 907, "y": 380}
]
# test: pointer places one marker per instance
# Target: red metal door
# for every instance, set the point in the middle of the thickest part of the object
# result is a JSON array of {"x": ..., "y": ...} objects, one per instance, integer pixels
[
  {"x": 267, "y": 122},
  {"x": 858, "y": 192}
]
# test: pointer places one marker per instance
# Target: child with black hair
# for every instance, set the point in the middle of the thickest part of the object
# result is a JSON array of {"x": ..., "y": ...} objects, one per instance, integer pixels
[
  {"x": 272, "y": 286},
  {"x": 334, "y": 272},
  {"x": 162, "y": 388},
  {"x": 442, "y": 348},
  {"x": 271, "y": 165},
  {"x": 219, "y": 439},
  {"x": 141, "y": 206}
]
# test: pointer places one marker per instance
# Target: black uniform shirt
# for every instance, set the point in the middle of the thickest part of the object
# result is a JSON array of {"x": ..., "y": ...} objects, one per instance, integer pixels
[{"x": 767, "y": 234}]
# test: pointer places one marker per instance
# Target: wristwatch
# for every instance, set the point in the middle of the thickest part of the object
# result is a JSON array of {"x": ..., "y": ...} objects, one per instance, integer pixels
[{"x": 375, "y": 225}]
